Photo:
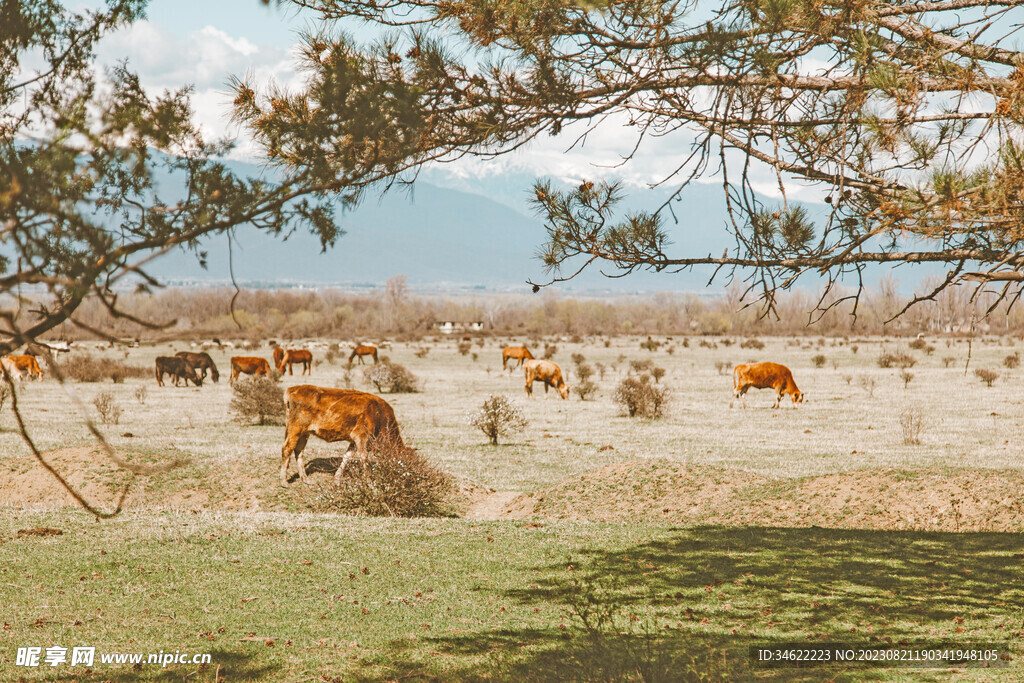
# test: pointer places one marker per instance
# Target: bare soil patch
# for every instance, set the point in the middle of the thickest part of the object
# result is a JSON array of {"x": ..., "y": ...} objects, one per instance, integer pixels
[{"x": 934, "y": 499}]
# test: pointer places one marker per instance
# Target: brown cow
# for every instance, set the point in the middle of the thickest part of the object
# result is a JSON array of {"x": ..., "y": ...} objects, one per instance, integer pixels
[
  {"x": 363, "y": 350},
  {"x": 177, "y": 368},
  {"x": 279, "y": 358},
  {"x": 544, "y": 371},
  {"x": 27, "y": 365},
  {"x": 516, "y": 353},
  {"x": 335, "y": 415},
  {"x": 292, "y": 356},
  {"x": 249, "y": 365},
  {"x": 10, "y": 368},
  {"x": 764, "y": 376},
  {"x": 201, "y": 361}
]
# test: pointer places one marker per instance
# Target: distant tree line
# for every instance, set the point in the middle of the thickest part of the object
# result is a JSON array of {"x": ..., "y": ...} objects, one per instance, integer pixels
[{"x": 291, "y": 314}]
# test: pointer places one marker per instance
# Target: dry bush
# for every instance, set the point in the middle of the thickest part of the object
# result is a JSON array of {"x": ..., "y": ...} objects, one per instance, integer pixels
[
  {"x": 259, "y": 400},
  {"x": 109, "y": 411},
  {"x": 948, "y": 360},
  {"x": 465, "y": 347},
  {"x": 391, "y": 378},
  {"x": 639, "y": 366},
  {"x": 395, "y": 482},
  {"x": 1012, "y": 361},
  {"x": 752, "y": 344},
  {"x": 724, "y": 367},
  {"x": 5, "y": 392},
  {"x": 549, "y": 351},
  {"x": 987, "y": 376},
  {"x": 906, "y": 376},
  {"x": 650, "y": 345},
  {"x": 640, "y": 398},
  {"x": 818, "y": 360},
  {"x": 422, "y": 352},
  {"x": 332, "y": 354},
  {"x": 867, "y": 383},
  {"x": 918, "y": 344},
  {"x": 141, "y": 393},
  {"x": 578, "y": 359},
  {"x": 85, "y": 367},
  {"x": 854, "y": 347},
  {"x": 498, "y": 416},
  {"x": 657, "y": 374},
  {"x": 897, "y": 359},
  {"x": 911, "y": 424}
]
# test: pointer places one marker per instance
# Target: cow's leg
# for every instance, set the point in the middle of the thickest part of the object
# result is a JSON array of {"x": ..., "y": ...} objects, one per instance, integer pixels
[
  {"x": 291, "y": 443},
  {"x": 778, "y": 399},
  {"x": 529, "y": 389},
  {"x": 547, "y": 385},
  {"x": 290, "y": 364},
  {"x": 300, "y": 445},
  {"x": 159, "y": 378},
  {"x": 354, "y": 449}
]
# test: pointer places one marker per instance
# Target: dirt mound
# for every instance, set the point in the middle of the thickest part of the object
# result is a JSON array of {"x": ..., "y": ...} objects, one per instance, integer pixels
[{"x": 670, "y": 492}]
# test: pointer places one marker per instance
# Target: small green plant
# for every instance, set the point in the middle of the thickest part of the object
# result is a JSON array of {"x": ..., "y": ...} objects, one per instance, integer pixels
[
  {"x": 109, "y": 411},
  {"x": 497, "y": 417}
]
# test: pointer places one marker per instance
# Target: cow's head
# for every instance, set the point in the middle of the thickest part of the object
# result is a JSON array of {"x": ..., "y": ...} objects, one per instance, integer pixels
[
  {"x": 563, "y": 390},
  {"x": 798, "y": 396}
]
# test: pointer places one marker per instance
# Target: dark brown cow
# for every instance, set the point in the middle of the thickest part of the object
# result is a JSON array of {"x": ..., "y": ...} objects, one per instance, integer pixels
[
  {"x": 335, "y": 415},
  {"x": 764, "y": 376},
  {"x": 292, "y": 356},
  {"x": 545, "y": 371},
  {"x": 27, "y": 365},
  {"x": 178, "y": 369},
  {"x": 363, "y": 350},
  {"x": 249, "y": 365},
  {"x": 516, "y": 353},
  {"x": 201, "y": 361},
  {"x": 279, "y": 358}
]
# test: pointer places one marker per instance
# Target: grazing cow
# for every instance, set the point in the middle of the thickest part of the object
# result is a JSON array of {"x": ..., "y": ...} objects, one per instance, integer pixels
[
  {"x": 516, "y": 353},
  {"x": 27, "y": 365},
  {"x": 544, "y": 371},
  {"x": 764, "y": 376},
  {"x": 249, "y": 365},
  {"x": 10, "y": 367},
  {"x": 279, "y": 358},
  {"x": 363, "y": 350},
  {"x": 335, "y": 415},
  {"x": 201, "y": 361},
  {"x": 292, "y": 356},
  {"x": 178, "y": 369}
]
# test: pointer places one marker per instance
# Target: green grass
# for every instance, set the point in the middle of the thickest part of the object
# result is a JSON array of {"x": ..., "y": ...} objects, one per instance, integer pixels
[{"x": 277, "y": 596}]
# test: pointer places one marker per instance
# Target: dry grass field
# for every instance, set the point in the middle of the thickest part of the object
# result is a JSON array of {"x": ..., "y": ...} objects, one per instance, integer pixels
[{"x": 812, "y": 494}]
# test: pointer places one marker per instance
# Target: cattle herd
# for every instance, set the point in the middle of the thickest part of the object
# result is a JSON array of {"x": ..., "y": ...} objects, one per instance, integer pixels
[{"x": 361, "y": 418}]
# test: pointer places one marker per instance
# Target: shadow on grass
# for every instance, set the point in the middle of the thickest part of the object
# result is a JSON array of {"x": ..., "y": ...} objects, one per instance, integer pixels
[{"x": 688, "y": 605}]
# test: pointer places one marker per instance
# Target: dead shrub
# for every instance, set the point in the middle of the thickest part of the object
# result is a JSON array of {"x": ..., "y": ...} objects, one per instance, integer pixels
[
  {"x": 391, "y": 378},
  {"x": 258, "y": 400},
  {"x": 106, "y": 406},
  {"x": 987, "y": 376},
  {"x": 752, "y": 344},
  {"x": 650, "y": 345},
  {"x": 395, "y": 482},
  {"x": 1012, "y": 361},
  {"x": 639, "y": 398},
  {"x": 498, "y": 416},
  {"x": 465, "y": 347},
  {"x": 911, "y": 425},
  {"x": 549, "y": 351},
  {"x": 918, "y": 344},
  {"x": 947, "y": 361},
  {"x": 85, "y": 367},
  {"x": 818, "y": 360},
  {"x": 897, "y": 359}
]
